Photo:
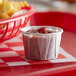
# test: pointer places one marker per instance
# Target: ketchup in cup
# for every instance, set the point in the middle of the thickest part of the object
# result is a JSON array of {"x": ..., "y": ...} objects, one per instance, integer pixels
[{"x": 41, "y": 42}]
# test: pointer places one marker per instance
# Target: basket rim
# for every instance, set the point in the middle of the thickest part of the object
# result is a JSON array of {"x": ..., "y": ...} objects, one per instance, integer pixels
[{"x": 11, "y": 19}]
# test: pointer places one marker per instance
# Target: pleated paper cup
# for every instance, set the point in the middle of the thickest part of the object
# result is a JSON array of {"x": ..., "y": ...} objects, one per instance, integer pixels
[{"x": 40, "y": 46}]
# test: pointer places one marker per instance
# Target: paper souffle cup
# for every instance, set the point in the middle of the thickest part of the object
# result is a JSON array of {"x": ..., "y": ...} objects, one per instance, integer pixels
[{"x": 39, "y": 46}]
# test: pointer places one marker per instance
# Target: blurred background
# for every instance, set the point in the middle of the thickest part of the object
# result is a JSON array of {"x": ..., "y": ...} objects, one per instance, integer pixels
[{"x": 54, "y": 5}]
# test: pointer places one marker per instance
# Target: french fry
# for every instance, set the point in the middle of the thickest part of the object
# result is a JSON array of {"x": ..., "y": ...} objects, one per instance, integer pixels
[
  {"x": 2, "y": 26},
  {"x": 16, "y": 6},
  {"x": 4, "y": 15},
  {"x": 17, "y": 3},
  {"x": 21, "y": 4},
  {"x": 9, "y": 7},
  {"x": 26, "y": 4},
  {"x": 1, "y": 2}
]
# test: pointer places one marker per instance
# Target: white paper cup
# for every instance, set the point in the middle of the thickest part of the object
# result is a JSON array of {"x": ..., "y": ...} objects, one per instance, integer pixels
[{"x": 39, "y": 46}]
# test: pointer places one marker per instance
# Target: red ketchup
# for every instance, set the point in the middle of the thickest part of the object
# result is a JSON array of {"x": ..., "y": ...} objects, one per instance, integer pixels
[{"x": 40, "y": 30}]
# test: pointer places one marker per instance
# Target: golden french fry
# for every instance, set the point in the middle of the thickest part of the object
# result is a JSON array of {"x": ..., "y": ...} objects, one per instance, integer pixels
[
  {"x": 21, "y": 4},
  {"x": 12, "y": 12},
  {"x": 26, "y": 4},
  {"x": 18, "y": 4},
  {"x": 2, "y": 26},
  {"x": 15, "y": 5},
  {"x": 9, "y": 7},
  {"x": 4, "y": 15},
  {"x": 1, "y": 2}
]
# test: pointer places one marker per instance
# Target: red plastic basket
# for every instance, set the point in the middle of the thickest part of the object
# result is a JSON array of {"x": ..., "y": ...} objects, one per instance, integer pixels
[{"x": 14, "y": 24}]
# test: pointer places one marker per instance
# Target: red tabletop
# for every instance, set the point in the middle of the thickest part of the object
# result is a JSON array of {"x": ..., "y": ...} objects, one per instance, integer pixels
[{"x": 14, "y": 63}]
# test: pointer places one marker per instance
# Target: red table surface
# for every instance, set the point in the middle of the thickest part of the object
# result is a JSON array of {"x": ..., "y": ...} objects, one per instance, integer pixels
[{"x": 45, "y": 68}]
